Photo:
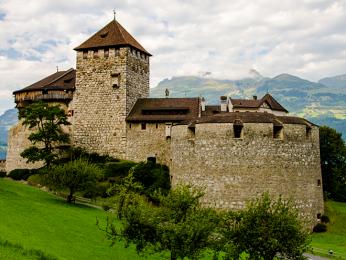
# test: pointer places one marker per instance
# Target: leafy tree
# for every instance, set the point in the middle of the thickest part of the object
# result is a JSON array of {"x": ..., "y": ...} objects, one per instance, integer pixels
[
  {"x": 265, "y": 229},
  {"x": 179, "y": 225},
  {"x": 48, "y": 135},
  {"x": 333, "y": 163},
  {"x": 74, "y": 176}
]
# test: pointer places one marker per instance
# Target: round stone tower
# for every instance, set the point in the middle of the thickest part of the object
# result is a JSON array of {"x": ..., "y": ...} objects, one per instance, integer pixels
[{"x": 112, "y": 73}]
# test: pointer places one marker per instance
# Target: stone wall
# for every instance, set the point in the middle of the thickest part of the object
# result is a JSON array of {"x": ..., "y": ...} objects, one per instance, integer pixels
[
  {"x": 2, "y": 165},
  {"x": 17, "y": 142},
  {"x": 106, "y": 89},
  {"x": 236, "y": 170},
  {"x": 151, "y": 141}
]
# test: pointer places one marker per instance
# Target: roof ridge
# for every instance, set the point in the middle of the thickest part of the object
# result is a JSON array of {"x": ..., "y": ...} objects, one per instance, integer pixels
[{"x": 63, "y": 75}]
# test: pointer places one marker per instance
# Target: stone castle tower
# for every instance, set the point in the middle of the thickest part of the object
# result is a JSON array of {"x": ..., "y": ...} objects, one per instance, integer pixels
[{"x": 112, "y": 73}]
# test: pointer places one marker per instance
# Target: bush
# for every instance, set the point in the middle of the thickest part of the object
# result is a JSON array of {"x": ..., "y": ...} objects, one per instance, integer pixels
[
  {"x": 97, "y": 190},
  {"x": 325, "y": 219},
  {"x": 106, "y": 207},
  {"x": 74, "y": 153},
  {"x": 319, "y": 228},
  {"x": 118, "y": 169},
  {"x": 20, "y": 174},
  {"x": 35, "y": 180},
  {"x": 2, "y": 174}
]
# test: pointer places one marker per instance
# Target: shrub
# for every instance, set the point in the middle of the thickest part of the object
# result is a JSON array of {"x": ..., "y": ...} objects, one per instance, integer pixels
[
  {"x": 106, "y": 207},
  {"x": 2, "y": 174},
  {"x": 75, "y": 176},
  {"x": 35, "y": 180},
  {"x": 325, "y": 219},
  {"x": 118, "y": 169},
  {"x": 20, "y": 174},
  {"x": 319, "y": 228},
  {"x": 97, "y": 190},
  {"x": 74, "y": 153}
]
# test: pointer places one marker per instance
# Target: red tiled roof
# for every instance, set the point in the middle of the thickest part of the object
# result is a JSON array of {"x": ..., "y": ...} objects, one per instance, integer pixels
[
  {"x": 164, "y": 110},
  {"x": 112, "y": 35},
  {"x": 61, "y": 80},
  {"x": 254, "y": 103}
]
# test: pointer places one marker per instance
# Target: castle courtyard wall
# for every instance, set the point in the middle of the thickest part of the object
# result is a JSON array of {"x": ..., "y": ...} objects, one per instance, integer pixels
[
  {"x": 151, "y": 141},
  {"x": 233, "y": 171}
]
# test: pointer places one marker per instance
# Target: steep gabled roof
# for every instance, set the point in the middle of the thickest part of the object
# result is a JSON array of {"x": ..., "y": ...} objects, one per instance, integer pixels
[
  {"x": 61, "y": 80},
  {"x": 254, "y": 103},
  {"x": 274, "y": 105},
  {"x": 112, "y": 35}
]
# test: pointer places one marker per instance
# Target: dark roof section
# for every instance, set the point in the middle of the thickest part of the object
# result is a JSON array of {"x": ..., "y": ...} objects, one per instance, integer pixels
[
  {"x": 164, "y": 110},
  {"x": 254, "y": 103},
  {"x": 274, "y": 105},
  {"x": 251, "y": 117},
  {"x": 112, "y": 35},
  {"x": 61, "y": 80}
]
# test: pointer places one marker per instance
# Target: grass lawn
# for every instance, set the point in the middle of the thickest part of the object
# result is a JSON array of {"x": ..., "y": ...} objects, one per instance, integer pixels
[
  {"x": 35, "y": 224},
  {"x": 335, "y": 237}
]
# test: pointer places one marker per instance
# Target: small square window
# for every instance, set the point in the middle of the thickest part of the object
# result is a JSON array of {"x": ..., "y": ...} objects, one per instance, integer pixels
[
  {"x": 143, "y": 126},
  {"x": 237, "y": 131},
  {"x": 277, "y": 132}
]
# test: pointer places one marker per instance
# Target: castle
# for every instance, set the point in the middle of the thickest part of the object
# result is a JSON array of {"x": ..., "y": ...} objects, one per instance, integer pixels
[{"x": 235, "y": 150}]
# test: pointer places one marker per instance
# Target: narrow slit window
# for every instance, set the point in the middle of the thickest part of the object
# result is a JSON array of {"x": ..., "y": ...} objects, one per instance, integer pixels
[
  {"x": 157, "y": 125},
  {"x": 85, "y": 54},
  {"x": 277, "y": 132},
  {"x": 96, "y": 54},
  {"x": 143, "y": 126},
  {"x": 308, "y": 132},
  {"x": 130, "y": 126},
  {"x": 318, "y": 183},
  {"x": 238, "y": 131}
]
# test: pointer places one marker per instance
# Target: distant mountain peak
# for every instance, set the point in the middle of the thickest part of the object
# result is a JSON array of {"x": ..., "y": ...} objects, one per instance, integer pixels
[
  {"x": 285, "y": 76},
  {"x": 255, "y": 74}
]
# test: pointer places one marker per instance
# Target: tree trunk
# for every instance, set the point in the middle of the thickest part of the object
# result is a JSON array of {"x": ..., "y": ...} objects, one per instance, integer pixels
[{"x": 70, "y": 197}]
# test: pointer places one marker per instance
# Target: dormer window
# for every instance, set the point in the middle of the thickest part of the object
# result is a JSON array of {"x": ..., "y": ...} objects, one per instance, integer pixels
[{"x": 104, "y": 34}]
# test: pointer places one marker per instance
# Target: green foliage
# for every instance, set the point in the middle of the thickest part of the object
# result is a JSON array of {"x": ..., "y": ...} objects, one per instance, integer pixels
[
  {"x": 2, "y": 174},
  {"x": 333, "y": 163},
  {"x": 264, "y": 229},
  {"x": 36, "y": 180},
  {"x": 320, "y": 227},
  {"x": 118, "y": 170},
  {"x": 325, "y": 219},
  {"x": 154, "y": 178},
  {"x": 77, "y": 175},
  {"x": 179, "y": 225},
  {"x": 20, "y": 174},
  {"x": 46, "y": 121},
  {"x": 72, "y": 153}
]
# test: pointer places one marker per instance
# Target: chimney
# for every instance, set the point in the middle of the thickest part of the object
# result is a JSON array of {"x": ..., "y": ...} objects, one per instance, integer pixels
[
  {"x": 255, "y": 97},
  {"x": 223, "y": 101},
  {"x": 230, "y": 105},
  {"x": 203, "y": 103}
]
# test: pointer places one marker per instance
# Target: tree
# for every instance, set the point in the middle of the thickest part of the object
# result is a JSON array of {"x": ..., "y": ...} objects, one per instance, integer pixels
[
  {"x": 178, "y": 225},
  {"x": 48, "y": 135},
  {"x": 333, "y": 163},
  {"x": 74, "y": 176},
  {"x": 265, "y": 229}
]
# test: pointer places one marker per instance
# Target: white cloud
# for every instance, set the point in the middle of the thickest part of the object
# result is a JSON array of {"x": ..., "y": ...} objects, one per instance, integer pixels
[{"x": 306, "y": 38}]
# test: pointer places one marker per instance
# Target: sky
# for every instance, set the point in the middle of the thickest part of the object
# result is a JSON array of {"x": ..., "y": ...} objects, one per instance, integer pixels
[{"x": 222, "y": 38}]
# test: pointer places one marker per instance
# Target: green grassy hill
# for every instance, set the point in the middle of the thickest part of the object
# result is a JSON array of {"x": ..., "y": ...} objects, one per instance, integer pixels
[
  {"x": 335, "y": 238},
  {"x": 35, "y": 224}
]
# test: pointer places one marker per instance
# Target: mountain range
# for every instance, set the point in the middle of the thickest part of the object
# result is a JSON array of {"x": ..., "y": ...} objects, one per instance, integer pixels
[{"x": 322, "y": 102}]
